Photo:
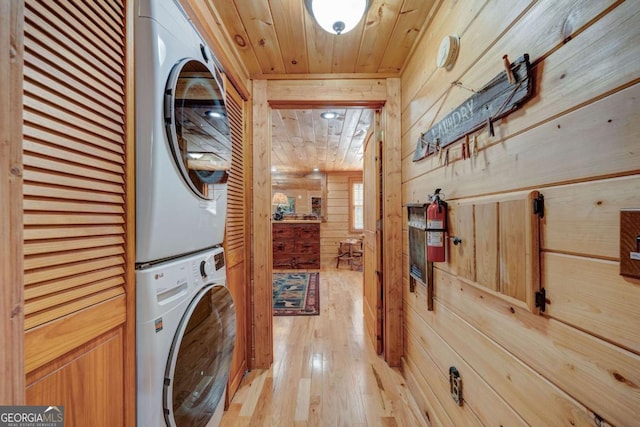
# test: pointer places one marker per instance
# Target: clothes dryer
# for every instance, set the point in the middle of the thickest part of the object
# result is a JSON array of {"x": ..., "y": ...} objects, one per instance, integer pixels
[
  {"x": 185, "y": 323},
  {"x": 183, "y": 140}
]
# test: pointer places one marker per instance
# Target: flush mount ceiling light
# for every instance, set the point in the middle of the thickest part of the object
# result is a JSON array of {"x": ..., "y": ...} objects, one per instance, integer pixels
[
  {"x": 337, "y": 16},
  {"x": 328, "y": 115}
]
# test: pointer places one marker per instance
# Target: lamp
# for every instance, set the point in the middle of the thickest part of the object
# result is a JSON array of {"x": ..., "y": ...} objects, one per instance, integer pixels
[
  {"x": 337, "y": 16},
  {"x": 279, "y": 199}
]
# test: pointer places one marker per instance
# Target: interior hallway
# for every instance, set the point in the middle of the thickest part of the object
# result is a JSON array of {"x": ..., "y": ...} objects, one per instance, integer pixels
[{"x": 325, "y": 372}]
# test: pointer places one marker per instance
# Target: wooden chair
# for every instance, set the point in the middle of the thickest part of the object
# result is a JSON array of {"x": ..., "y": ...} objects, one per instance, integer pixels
[
  {"x": 344, "y": 254},
  {"x": 356, "y": 255}
]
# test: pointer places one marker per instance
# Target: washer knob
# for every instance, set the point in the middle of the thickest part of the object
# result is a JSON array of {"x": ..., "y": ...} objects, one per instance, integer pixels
[{"x": 206, "y": 268}]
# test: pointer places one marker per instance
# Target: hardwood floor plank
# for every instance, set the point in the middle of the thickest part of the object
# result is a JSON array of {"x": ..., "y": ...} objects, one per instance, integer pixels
[
  {"x": 325, "y": 370},
  {"x": 304, "y": 399},
  {"x": 233, "y": 412},
  {"x": 249, "y": 406},
  {"x": 263, "y": 410}
]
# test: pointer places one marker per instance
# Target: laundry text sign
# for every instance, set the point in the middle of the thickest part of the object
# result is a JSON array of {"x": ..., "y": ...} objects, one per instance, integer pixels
[{"x": 496, "y": 99}]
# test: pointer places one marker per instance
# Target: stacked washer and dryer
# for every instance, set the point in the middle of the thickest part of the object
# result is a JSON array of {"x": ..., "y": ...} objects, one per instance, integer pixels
[{"x": 185, "y": 314}]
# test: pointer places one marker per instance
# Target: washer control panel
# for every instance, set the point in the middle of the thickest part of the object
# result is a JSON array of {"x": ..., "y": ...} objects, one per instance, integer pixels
[{"x": 206, "y": 267}]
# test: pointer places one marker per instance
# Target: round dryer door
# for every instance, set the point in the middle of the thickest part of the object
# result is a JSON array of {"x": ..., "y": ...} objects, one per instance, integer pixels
[
  {"x": 200, "y": 358},
  {"x": 197, "y": 126}
]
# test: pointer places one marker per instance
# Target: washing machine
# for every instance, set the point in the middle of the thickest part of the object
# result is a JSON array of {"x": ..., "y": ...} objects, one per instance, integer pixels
[
  {"x": 183, "y": 138},
  {"x": 185, "y": 325}
]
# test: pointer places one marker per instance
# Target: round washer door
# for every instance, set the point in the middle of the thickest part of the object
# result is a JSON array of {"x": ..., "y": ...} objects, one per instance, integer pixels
[
  {"x": 197, "y": 126},
  {"x": 200, "y": 358}
]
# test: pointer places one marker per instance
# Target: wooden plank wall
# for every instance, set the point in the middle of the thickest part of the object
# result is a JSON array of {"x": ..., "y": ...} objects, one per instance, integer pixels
[
  {"x": 11, "y": 274},
  {"x": 78, "y": 210},
  {"x": 336, "y": 225},
  {"x": 576, "y": 142}
]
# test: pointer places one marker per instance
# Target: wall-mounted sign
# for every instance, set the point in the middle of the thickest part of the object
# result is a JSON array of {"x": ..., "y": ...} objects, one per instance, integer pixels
[{"x": 496, "y": 99}]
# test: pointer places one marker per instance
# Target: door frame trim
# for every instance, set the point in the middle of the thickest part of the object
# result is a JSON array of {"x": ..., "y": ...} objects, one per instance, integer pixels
[{"x": 12, "y": 389}]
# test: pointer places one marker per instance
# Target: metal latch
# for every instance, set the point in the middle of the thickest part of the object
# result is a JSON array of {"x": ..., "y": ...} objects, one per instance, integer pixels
[
  {"x": 538, "y": 206},
  {"x": 541, "y": 300}
]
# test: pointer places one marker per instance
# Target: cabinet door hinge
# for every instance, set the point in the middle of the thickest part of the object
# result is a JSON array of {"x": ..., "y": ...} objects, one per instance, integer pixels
[
  {"x": 538, "y": 206},
  {"x": 541, "y": 299}
]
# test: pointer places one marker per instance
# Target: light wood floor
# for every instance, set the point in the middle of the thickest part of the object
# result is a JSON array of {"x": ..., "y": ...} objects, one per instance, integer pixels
[{"x": 325, "y": 372}]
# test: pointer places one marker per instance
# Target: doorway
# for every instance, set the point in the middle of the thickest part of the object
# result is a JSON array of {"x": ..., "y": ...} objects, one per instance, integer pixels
[
  {"x": 383, "y": 94},
  {"x": 317, "y": 160},
  {"x": 316, "y": 155}
]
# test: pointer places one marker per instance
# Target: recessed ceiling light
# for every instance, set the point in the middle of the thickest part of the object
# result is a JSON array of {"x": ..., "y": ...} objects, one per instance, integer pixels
[
  {"x": 329, "y": 115},
  {"x": 316, "y": 169},
  {"x": 214, "y": 114}
]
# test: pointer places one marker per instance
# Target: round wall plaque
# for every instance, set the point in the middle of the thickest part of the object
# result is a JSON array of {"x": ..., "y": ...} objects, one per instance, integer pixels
[{"x": 448, "y": 52}]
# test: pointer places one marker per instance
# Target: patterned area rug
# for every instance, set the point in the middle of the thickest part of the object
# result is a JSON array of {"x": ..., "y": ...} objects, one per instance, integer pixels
[{"x": 296, "y": 294}]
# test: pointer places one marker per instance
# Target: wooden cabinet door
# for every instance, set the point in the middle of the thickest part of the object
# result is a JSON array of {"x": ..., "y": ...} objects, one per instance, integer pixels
[
  {"x": 237, "y": 239},
  {"x": 78, "y": 210}
]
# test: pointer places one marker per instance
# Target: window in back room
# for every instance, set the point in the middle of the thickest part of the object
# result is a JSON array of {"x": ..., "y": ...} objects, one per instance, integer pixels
[{"x": 356, "y": 205}]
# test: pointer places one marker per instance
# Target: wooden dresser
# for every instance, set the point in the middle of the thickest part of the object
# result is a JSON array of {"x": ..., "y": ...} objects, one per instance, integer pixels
[{"x": 296, "y": 244}]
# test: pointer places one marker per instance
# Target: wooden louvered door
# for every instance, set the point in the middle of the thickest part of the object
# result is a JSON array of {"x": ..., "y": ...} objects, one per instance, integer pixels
[
  {"x": 237, "y": 234},
  {"x": 78, "y": 346}
]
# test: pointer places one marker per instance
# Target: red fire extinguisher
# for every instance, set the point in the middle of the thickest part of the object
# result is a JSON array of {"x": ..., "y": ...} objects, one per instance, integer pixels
[{"x": 436, "y": 228}]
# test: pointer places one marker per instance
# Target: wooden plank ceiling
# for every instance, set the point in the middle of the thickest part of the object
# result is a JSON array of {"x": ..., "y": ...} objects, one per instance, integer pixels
[
  {"x": 281, "y": 37},
  {"x": 277, "y": 38},
  {"x": 302, "y": 140}
]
